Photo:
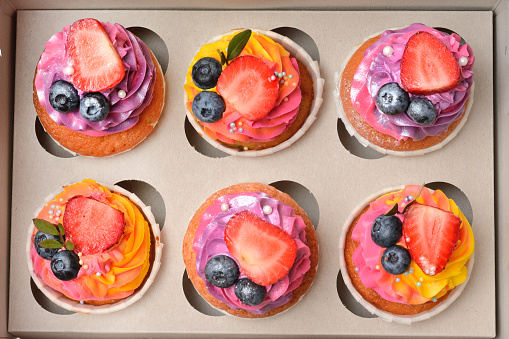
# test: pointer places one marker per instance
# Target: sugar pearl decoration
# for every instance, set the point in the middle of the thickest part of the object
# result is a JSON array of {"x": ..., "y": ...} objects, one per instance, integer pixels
[
  {"x": 463, "y": 61},
  {"x": 267, "y": 209},
  {"x": 356, "y": 269},
  {"x": 377, "y": 267},
  {"x": 68, "y": 70},
  {"x": 98, "y": 274},
  {"x": 81, "y": 262},
  {"x": 225, "y": 207},
  {"x": 388, "y": 51},
  {"x": 82, "y": 302},
  {"x": 434, "y": 299},
  {"x": 85, "y": 266},
  {"x": 397, "y": 279},
  {"x": 241, "y": 130},
  {"x": 121, "y": 93},
  {"x": 418, "y": 284},
  {"x": 245, "y": 148}
]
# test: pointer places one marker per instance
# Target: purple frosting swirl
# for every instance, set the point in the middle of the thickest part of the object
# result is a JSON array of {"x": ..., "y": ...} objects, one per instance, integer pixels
[
  {"x": 209, "y": 242},
  {"x": 137, "y": 83}
]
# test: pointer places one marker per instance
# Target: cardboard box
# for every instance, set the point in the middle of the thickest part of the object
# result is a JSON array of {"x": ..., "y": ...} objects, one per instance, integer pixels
[{"x": 474, "y": 162}]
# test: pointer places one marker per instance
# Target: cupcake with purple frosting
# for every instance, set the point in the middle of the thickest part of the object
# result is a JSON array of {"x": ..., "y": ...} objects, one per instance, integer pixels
[
  {"x": 406, "y": 91},
  {"x": 98, "y": 89}
]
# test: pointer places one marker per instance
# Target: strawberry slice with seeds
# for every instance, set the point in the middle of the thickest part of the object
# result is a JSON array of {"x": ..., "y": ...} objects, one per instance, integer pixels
[
  {"x": 92, "y": 225},
  {"x": 249, "y": 86},
  {"x": 265, "y": 252},
  {"x": 431, "y": 235},
  {"x": 97, "y": 65},
  {"x": 428, "y": 66}
]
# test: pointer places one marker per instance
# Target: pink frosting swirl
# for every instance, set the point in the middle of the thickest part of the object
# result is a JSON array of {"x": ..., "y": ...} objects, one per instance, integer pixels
[
  {"x": 376, "y": 70},
  {"x": 137, "y": 83},
  {"x": 209, "y": 242}
]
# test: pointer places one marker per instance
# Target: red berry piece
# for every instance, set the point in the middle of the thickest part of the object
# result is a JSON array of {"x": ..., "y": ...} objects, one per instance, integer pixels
[
  {"x": 431, "y": 235},
  {"x": 265, "y": 252},
  {"x": 92, "y": 225},
  {"x": 427, "y": 66},
  {"x": 249, "y": 86},
  {"x": 96, "y": 63}
]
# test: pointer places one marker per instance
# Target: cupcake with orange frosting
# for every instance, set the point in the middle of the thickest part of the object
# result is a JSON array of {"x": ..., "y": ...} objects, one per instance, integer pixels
[
  {"x": 252, "y": 93},
  {"x": 93, "y": 248},
  {"x": 406, "y": 253}
]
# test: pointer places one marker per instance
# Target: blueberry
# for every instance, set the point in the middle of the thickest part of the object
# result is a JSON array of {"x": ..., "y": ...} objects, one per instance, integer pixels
[
  {"x": 205, "y": 72},
  {"x": 94, "y": 106},
  {"x": 395, "y": 259},
  {"x": 208, "y": 106},
  {"x": 63, "y": 97},
  {"x": 65, "y": 265},
  {"x": 45, "y": 253},
  {"x": 392, "y": 99},
  {"x": 422, "y": 111},
  {"x": 222, "y": 271},
  {"x": 386, "y": 230},
  {"x": 249, "y": 293}
]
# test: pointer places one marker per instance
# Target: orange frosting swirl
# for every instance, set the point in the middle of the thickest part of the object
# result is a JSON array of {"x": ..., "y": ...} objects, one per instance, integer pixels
[{"x": 112, "y": 274}]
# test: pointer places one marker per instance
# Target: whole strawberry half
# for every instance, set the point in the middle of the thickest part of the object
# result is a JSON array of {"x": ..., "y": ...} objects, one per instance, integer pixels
[
  {"x": 96, "y": 63},
  {"x": 265, "y": 252},
  {"x": 428, "y": 66},
  {"x": 431, "y": 235},
  {"x": 92, "y": 225},
  {"x": 247, "y": 85}
]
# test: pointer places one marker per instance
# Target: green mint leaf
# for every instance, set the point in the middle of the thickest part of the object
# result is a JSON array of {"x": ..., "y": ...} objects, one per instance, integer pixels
[
  {"x": 61, "y": 229},
  {"x": 237, "y": 44},
  {"x": 223, "y": 58},
  {"x": 50, "y": 243},
  {"x": 411, "y": 202},
  {"x": 393, "y": 210},
  {"x": 69, "y": 245},
  {"x": 45, "y": 226}
]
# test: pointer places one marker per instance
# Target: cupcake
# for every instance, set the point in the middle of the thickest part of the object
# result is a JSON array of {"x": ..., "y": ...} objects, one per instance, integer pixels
[
  {"x": 93, "y": 248},
  {"x": 251, "y": 251},
  {"x": 251, "y": 93},
  {"x": 406, "y": 253},
  {"x": 98, "y": 89},
  {"x": 406, "y": 91}
]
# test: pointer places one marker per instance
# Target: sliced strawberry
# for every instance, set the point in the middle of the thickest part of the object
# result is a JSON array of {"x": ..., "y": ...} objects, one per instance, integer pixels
[
  {"x": 96, "y": 63},
  {"x": 265, "y": 252},
  {"x": 431, "y": 235},
  {"x": 427, "y": 66},
  {"x": 92, "y": 225},
  {"x": 249, "y": 86}
]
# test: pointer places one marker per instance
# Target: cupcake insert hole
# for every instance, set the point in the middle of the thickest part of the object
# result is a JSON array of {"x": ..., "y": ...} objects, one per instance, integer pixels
[
  {"x": 45, "y": 302},
  {"x": 149, "y": 195},
  {"x": 353, "y": 146},
  {"x": 155, "y": 43},
  {"x": 50, "y": 145},
  {"x": 196, "y": 300},
  {"x": 302, "y": 196},
  {"x": 456, "y": 194},
  {"x": 200, "y": 144},
  {"x": 349, "y": 301},
  {"x": 302, "y": 39}
]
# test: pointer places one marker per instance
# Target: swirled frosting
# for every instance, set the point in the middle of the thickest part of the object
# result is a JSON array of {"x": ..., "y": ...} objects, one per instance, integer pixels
[
  {"x": 138, "y": 83},
  {"x": 404, "y": 288},
  {"x": 112, "y": 274},
  {"x": 376, "y": 69},
  {"x": 287, "y": 105},
  {"x": 209, "y": 242}
]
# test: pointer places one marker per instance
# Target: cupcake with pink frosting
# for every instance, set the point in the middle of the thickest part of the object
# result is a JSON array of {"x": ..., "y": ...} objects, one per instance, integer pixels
[
  {"x": 406, "y": 253},
  {"x": 251, "y": 251},
  {"x": 98, "y": 89},
  {"x": 252, "y": 92},
  {"x": 406, "y": 91}
]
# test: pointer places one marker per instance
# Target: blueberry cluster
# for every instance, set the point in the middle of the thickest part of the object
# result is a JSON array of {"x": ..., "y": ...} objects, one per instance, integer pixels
[
  {"x": 222, "y": 271},
  {"x": 391, "y": 99},
  {"x": 64, "y": 264},
  {"x": 207, "y": 106},
  {"x": 386, "y": 232},
  {"x": 64, "y": 98}
]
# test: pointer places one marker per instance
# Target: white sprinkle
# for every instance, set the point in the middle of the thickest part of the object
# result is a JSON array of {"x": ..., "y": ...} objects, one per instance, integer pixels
[
  {"x": 68, "y": 70},
  {"x": 388, "y": 51},
  {"x": 225, "y": 207},
  {"x": 85, "y": 266},
  {"x": 463, "y": 61},
  {"x": 377, "y": 267},
  {"x": 397, "y": 279},
  {"x": 273, "y": 77},
  {"x": 356, "y": 269},
  {"x": 82, "y": 302},
  {"x": 121, "y": 93},
  {"x": 79, "y": 254},
  {"x": 98, "y": 274},
  {"x": 59, "y": 212},
  {"x": 81, "y": 262},
  {"x": 267, "y": 209}
]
